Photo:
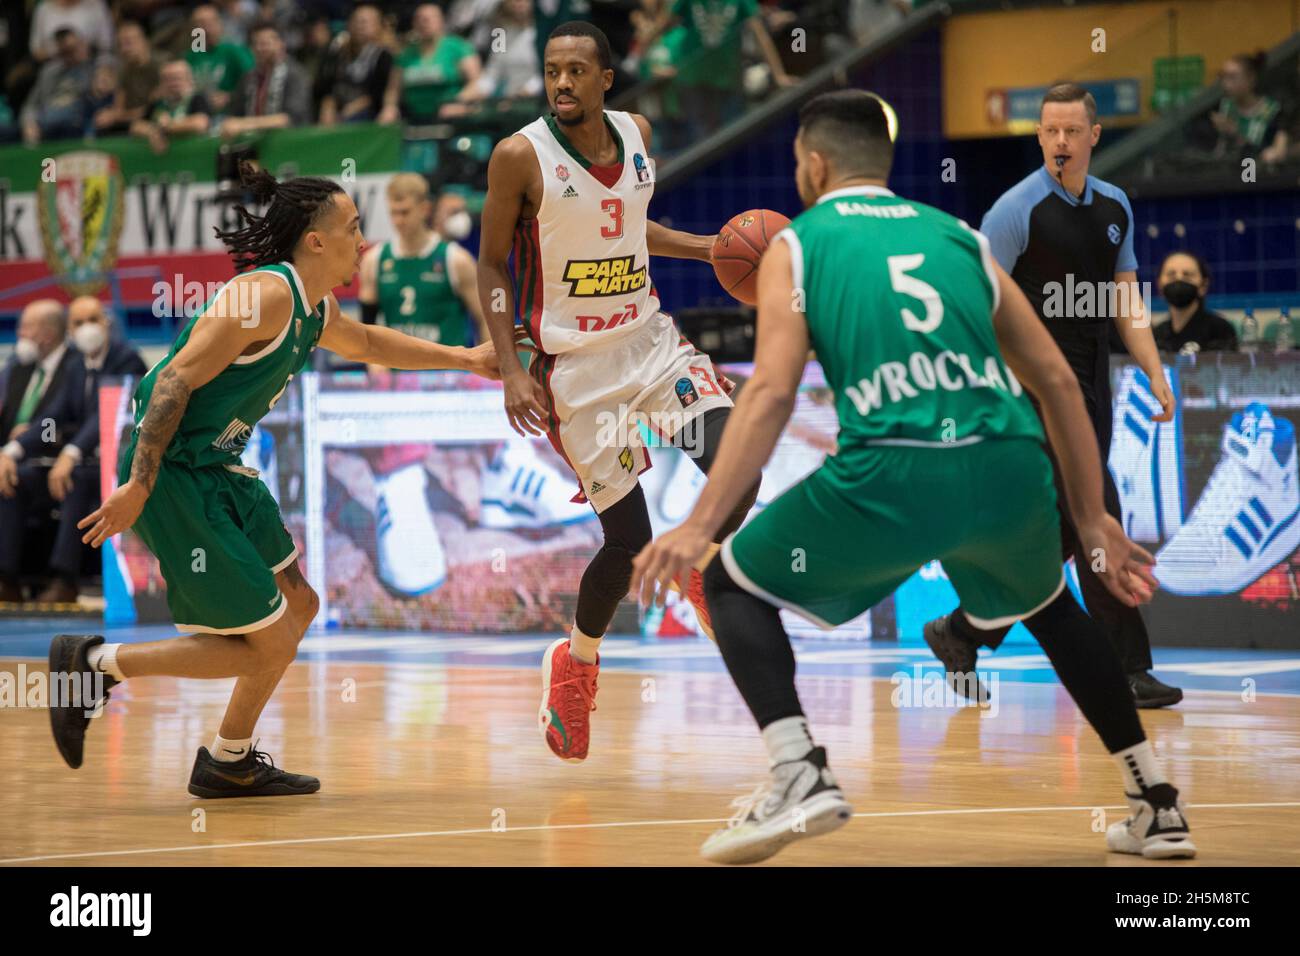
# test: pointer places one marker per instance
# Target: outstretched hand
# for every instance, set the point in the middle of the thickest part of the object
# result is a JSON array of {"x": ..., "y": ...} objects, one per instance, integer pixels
[{"x": 1122, "y": 566}]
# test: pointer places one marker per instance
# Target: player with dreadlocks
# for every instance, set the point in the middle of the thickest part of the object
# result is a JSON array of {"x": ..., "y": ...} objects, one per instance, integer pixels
[{"x": 233, "y": 582}]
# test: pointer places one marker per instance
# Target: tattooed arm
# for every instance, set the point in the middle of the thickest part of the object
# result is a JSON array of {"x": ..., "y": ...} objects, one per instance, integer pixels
[{"x": 249, "y": 313}]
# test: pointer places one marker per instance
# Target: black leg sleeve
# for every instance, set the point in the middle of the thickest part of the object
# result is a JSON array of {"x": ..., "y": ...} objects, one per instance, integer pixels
[
  {"x": 626, "y": 525},
  {"x": 1087, "y": 666},
  {"x": 754, "y": 647}
]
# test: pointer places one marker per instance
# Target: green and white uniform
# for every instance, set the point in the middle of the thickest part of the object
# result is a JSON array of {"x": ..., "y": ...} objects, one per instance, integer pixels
[
  {"x": 940, "y": 453},
  {"x": 211, "y": 522},
  {"x": 416, "y": 295}
]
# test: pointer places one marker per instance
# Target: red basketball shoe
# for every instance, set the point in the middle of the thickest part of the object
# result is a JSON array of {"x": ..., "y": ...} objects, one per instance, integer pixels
[{"x": 568, "y": 698}]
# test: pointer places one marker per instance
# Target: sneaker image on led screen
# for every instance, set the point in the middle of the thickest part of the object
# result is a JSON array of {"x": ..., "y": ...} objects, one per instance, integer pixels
[
  {"x": 520, "y": 490},
  {"x": 1144, "y": 460},
  {"x": 1248, "y": 518}
]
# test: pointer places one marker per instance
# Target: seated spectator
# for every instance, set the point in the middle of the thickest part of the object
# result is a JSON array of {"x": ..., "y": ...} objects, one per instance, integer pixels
[
  {"x": 358, "y": 72},
  {"x": 436, "y": 77},
  {"x": 59, "y": 105},
  {"x": 1184, "y": 280},
  {"x": 179, "y": 110},
  {"x": 512, "y": 68},
  {"x": 103, "y": 90},
  {"x": 275, "y": 94},
  {"x": 73, "y": 479},
  {"x": 41, "y": 367},
  {"x": 137, "y": 81},
  {"x": 1247, "y": 123},
  {"x": 220, "y": 64},
  {"x": 90, "y": 18}
]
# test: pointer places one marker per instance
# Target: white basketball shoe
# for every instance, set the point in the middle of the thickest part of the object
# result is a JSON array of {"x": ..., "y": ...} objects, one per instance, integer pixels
[
  {"x": 1248, "y": 518},
  {"x": 1144, "y": 460},
  {"x": 520, "y": 490},
  {"x": 408, "y": 549}
]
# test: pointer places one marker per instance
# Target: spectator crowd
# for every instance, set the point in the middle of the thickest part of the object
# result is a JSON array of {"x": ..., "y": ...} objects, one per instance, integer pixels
[{"x": 163, "y": 69}]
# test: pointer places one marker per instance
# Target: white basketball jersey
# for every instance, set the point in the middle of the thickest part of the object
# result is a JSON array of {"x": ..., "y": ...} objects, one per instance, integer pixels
[{"x": 582, "y": 267}]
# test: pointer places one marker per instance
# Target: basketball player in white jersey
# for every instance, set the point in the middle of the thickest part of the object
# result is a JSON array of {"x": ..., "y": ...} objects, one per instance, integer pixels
[{"x": 568, "y": 195}]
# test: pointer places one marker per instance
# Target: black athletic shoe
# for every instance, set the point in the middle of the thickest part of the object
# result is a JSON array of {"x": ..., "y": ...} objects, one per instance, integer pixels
[
  {"x": 253, "y": 776},
  {"x": 77, "y": 691},
  {"x": 1149, "y": 693},
  {"x": 958, "y": 655}
]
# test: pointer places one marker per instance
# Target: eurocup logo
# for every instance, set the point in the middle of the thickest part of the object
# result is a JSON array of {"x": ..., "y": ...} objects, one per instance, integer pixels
[
  {"x": 642, "y": 170},
  {"x": 1113, "y": 232}
]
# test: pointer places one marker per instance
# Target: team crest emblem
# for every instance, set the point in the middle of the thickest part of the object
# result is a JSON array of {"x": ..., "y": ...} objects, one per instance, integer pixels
[
  {"x": 80, "y": 215},
  {"x": 625, "y": 459},
  {"x": 686, "y": 393},
  {"x": 562, "y": 173},
  {"x": 642, "y": 170}
]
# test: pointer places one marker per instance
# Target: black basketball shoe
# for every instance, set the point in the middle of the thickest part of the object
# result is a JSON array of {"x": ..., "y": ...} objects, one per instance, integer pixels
[
  {"x": 77, "y": 693},
  {"x": 958, "y": 656},
  {"x": 1150, "y": 693},
  {"x": 255, "y": 775}
]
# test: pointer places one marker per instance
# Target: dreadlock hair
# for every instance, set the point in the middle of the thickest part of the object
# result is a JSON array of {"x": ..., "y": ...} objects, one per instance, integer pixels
[{"x": 295, "y": 206}]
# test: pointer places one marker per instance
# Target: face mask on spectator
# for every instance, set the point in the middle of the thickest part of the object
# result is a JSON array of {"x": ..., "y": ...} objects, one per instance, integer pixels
[
  {"x": 1180, "y": 293},
  {"x": 90, "y": 337},
  {"x": 458, "y": 225},
  {"x": 27, "y": 352}
]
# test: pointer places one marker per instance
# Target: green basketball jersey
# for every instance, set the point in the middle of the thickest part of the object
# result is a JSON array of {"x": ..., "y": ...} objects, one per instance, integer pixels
[
  {"x": 899, "y": 298},
  {"x": 221, "y": 414},
  {"x": 416, "y": 295}
]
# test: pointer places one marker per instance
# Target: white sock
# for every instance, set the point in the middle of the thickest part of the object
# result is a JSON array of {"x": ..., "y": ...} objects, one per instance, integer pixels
[
  {"x": 103, "y": 658},
  {"x": 582, "y": 647},
  {"x": 228, "y": 751},
  {"x": 1140, "y": 768},
  {"x": 787, "y": 739}
]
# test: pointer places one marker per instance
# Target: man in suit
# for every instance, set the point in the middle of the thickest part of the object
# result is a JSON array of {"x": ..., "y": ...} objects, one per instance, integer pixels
[{"x": 65, "y": 427}]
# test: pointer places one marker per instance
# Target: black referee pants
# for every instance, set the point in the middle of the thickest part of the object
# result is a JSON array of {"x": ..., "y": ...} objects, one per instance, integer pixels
[{"x": 1122, "y": 624}]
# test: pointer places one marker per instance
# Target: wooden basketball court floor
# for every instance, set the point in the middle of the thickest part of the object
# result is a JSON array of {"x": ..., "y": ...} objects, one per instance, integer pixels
[{"x": 428, "y": 755}]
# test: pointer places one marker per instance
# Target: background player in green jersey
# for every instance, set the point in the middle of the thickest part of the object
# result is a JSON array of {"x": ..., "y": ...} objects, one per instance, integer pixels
[
  {"x": 939, "y": 457},
  {"x": 420, "y": 281},
  {"x": 233, "y": 582}
]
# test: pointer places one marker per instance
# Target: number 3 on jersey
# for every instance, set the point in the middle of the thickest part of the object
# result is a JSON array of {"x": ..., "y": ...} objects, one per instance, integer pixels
[{"x": 615, "y": 209}]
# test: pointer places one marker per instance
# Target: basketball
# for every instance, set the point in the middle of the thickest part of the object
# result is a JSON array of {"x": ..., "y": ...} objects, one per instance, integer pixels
[{"x": 739, "y": 246}]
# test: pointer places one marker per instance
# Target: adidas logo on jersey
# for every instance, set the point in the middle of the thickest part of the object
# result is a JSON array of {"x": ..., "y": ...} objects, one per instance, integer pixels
[
  {"x": 569, "y": 191},
  {"x": 597, "y": 487}
]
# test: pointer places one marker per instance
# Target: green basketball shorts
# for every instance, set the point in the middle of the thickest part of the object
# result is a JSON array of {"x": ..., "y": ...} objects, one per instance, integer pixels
[
  {"x": 844, "y": 538},
  {"x": 220, "y": 541}
]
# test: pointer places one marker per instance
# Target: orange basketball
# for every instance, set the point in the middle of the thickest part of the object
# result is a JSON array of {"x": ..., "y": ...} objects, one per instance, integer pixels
[{"x": 739, "y": 246}]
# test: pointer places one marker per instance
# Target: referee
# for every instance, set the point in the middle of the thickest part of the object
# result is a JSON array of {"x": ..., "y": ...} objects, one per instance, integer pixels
[{"x": 1062, "y": 234}]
